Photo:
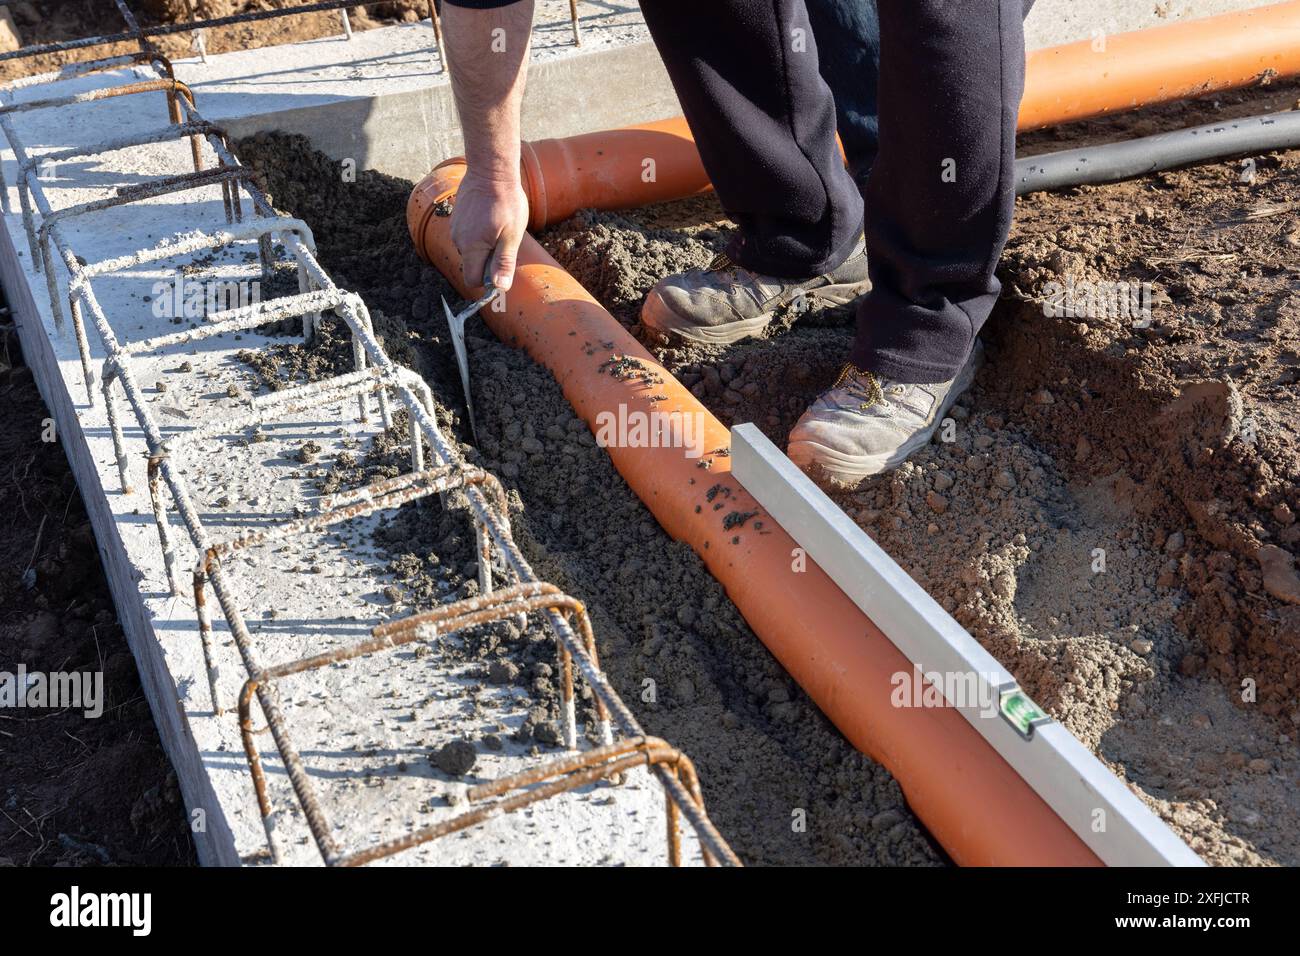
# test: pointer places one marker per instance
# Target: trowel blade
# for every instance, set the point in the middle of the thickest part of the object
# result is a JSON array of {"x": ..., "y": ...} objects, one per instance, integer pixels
[{"x": 456, "y": 324}]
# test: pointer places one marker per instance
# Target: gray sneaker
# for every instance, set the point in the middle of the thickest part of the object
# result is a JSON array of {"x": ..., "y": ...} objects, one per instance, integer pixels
[
  {"x": 863, "y": 425},
  {"x": 725, "y": 303}
]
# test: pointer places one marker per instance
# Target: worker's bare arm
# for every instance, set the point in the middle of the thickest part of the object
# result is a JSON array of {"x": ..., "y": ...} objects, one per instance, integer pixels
[{"x": 487, "y": 51}]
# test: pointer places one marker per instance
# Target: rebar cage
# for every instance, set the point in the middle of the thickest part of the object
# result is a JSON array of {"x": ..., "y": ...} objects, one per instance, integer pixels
[{"x": 436, "y": 465}]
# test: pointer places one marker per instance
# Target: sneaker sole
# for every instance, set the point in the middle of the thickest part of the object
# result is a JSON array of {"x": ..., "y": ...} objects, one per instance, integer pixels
[
  {"x": 848, "y": 471},
  {"x": 831, "y": 295}
]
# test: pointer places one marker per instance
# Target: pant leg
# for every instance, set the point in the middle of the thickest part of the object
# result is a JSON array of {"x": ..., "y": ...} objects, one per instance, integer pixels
[
  {"x": 848, "y": 53},
  {"x": 746, "y": 74},
  {"x": 941, "y": 192}
]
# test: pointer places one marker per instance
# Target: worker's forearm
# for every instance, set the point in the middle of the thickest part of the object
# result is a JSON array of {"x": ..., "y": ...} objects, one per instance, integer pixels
[{"x": 487, "y": 51}]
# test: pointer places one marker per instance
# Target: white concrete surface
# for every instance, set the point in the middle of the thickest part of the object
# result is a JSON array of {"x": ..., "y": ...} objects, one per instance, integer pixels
[{"x": 353, "y": 723}]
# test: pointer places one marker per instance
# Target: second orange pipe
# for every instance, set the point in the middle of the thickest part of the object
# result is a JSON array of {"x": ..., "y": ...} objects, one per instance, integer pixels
[{"x": 654, "y": 162}]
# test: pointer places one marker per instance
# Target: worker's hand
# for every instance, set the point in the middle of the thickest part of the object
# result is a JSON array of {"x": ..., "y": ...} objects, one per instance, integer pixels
[{"x": 487, "y": 225}]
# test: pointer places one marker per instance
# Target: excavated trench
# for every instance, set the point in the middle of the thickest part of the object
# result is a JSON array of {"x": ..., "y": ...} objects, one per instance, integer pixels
[
  {"x": 1112, "y": 518},
  {"x": 780, "y": 782}
]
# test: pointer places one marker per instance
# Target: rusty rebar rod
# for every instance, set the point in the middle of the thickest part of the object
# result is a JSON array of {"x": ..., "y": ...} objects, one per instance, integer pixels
[
  {"x": 427, "y": 483},
  {"x": 81, "y": 280},
  {"x": 588, "y": 768},
  {"x": 170, "y": 86},
  {"x": 165, "y": 84},
  {"x": 459, "y": 616}
]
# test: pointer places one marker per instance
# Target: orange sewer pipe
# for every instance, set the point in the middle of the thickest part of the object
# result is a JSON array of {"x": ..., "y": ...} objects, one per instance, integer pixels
[
  {"x": 654, "y": 162},
  {"x": 975, "y": 804}
]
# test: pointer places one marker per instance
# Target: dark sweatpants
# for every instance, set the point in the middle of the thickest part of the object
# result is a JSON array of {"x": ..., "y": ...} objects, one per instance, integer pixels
[{"x": 939, "y": 186}]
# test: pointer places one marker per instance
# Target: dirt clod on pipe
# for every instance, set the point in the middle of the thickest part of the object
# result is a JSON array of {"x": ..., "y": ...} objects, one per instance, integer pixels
[{"x": 971, "y": 800}]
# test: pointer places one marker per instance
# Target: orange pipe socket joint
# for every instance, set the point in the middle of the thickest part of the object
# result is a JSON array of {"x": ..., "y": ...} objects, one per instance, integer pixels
[{"x": 613, "y": 169}]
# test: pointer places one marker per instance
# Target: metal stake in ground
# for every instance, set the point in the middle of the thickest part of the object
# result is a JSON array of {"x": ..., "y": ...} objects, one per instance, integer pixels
[{"x": 456, "y": 323}]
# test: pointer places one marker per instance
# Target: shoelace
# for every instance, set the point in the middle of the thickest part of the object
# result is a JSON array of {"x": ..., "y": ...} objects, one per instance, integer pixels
[
  {"x": 721, "y": 263},
  {"x": 859, "y": 384}
]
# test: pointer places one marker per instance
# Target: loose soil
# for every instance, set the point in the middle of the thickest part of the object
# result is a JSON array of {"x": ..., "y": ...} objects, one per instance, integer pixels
[
  {"x": 73, "y": 790},
  {"x": 1114, "y": 517},
  {"x": 1170, "y": 453}
]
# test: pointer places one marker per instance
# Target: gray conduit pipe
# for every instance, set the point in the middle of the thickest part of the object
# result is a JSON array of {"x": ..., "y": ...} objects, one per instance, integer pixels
[{"x": 1149, "y": 154}]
